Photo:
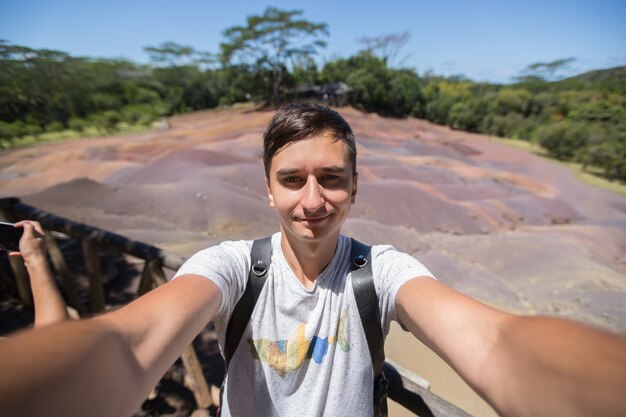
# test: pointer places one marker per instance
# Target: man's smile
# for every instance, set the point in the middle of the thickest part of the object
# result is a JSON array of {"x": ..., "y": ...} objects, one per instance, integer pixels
[{"x": 313, "y": 219}]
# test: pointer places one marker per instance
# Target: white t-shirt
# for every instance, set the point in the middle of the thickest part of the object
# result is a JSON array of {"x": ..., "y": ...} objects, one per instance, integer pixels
[{"x": 304, "y": 352}]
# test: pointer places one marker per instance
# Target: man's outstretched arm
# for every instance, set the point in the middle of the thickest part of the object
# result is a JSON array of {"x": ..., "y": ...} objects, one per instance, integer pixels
[
  {"x": 107, "y": 365},
  {"x": 523, "y": 366}
]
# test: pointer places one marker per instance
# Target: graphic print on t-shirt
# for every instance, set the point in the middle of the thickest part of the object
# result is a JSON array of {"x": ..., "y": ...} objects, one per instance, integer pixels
[{"x": 287, "y": 355}]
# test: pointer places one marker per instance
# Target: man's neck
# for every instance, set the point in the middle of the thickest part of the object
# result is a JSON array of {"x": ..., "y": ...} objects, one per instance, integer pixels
[{"x": 308, "y": 259}]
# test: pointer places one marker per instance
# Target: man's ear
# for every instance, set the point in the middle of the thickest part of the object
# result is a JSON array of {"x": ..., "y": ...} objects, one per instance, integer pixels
[
  {"x": 269, "y": 192},
  {"x": 354, "y": 186}
]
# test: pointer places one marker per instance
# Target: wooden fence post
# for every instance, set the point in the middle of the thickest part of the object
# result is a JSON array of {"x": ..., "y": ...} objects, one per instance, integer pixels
[
  {"x": 157, "y": 273},
  {"x": 413, "y": 393},
  {"x": 92, "y": 265},
  {"x": 198, "y": 383},
  {"x": 68, "y": 278},
  {"x": 22, "y": 281},
  {"x": 145, "y": 283}
]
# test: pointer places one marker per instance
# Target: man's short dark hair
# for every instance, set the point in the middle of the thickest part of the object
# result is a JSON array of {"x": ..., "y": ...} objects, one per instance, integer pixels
[{"x": 298, "y": 121}]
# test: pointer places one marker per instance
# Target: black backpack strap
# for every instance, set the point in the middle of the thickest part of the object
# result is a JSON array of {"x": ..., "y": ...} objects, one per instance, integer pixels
[
  {"x": 367, "y": 302},
  {"x": 260, "y": 260}
]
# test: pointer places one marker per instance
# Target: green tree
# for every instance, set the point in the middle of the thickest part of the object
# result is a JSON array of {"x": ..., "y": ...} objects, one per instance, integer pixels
[
  {"x": 387, "y": 46},
  {"x": 443, "y": 93},
  {"x": 305, "y": 72},
  {"x": 511, "y": 100},
  {"x": 468, "y": 115},
  {"x": 368, "y": 76},
  {"x": 405, "y": 93},
  {"x": 598, "y": 111},
  {"x": 271, "y": 41},
  {"x": 546, "y": 71},
  {"x": 563, "y": 139},
  {"x": 610, "y": 156},
  {"x": 170, "y": 54}
]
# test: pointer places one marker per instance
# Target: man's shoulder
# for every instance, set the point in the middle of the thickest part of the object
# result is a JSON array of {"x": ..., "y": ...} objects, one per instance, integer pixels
[
  {"x": 226, "y": 247},
  {"x": 377, "y": 249},
  {"x": 228, "y": 252}
]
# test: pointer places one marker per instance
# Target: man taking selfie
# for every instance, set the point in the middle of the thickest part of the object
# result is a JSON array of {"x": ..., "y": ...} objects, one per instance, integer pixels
[{"x": 293, "y": 313}]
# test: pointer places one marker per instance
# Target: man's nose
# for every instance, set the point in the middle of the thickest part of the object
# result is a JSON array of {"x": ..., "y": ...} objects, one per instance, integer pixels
[{"x": 313, "y": 195}]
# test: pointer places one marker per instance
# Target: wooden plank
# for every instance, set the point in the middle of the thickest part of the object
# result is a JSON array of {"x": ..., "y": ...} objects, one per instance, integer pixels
[
  {"x": 102, "y": 237},
  {"x": 157, "y": 273},
  {"x": 6, "y": 210},
  {"x": 198, "y": 383},
  {"x": 92, "y": 265},
  {"x": 410, "y": 393},
  {"x": 6, "y": 276},
  {"x": 409, "y": 378},
  {"x": 145, "y": 283},
  {"x": 152, "y": 274},
  {"x": 22, "y": 281},
  {"x": 68, "y": 278}
]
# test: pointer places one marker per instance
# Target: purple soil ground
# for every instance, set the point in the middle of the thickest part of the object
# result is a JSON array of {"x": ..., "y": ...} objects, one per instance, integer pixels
[{"x": 505, "y": 226}]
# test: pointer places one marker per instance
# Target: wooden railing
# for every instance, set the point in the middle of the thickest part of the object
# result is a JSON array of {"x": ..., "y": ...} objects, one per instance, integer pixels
[{"x": 406, "y": 388}]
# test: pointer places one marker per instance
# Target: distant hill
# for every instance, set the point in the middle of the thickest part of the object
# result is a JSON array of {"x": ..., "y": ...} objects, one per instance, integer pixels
[{"x": 612, "y": 79}]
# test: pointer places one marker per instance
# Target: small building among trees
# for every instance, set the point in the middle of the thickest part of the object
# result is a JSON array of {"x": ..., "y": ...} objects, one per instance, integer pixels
[{"x": 334, "y": 94}]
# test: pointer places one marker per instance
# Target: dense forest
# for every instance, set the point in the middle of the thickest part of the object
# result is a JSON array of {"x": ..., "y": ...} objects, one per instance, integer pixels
[{"x": 582, "y": 118}]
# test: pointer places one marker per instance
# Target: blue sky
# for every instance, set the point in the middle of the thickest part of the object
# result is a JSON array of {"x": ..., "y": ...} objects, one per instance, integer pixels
[{"x": 485, "y": 40}]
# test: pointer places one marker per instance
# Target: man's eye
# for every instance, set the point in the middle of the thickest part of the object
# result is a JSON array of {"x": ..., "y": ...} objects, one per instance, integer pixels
[
  {"x": 291, "y": 180},
  {"x": 330, "y": 177}
]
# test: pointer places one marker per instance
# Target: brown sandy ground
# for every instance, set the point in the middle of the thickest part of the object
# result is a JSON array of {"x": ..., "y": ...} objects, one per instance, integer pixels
[{"x": 512, "y": 229}]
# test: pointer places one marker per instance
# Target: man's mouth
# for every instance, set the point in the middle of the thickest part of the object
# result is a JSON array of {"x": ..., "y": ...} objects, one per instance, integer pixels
[{"x": 313, "y": 220}]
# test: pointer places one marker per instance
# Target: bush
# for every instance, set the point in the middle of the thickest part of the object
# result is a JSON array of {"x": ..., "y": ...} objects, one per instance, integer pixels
[
  {"x": 106, "y": 120},
  {"x": 12, "y": 130},
  {"x": 608, "y": 156},
  {"x": 202, "y": 94},
  {"x": 509, "y": 100},
  {"x": 368, "y": 91},
  {"x": 437, "y": 110},
  {"x": 468, "y": 115},
  {"x": 511, "y": 125},
  {"x": 606, "y": 149},
  {"x": 405, "y": 93},
  {"x": 602, "y": 112},
  {"x": 55, "y": 127},
  {"x": 9, "y": 132},
  {"x": 136, "y": 94},
  {"x": 143, "y": 114},
  {"x": 77, "y": 124},
  {"x": 105, "y": 101},
  {"x": 563, "y": 139}
]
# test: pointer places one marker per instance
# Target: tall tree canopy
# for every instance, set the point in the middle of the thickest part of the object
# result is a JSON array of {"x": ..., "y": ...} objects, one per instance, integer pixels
[
  {"x": 387, "y": 46},
  {"x": 546, "y": 71},
  {"x": 272, "y": 41},
  {"x": 172, "y": 54}
]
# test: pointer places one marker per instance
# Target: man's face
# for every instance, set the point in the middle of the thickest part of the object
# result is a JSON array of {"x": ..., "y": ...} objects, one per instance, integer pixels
[{"x": 311, "y": 185}]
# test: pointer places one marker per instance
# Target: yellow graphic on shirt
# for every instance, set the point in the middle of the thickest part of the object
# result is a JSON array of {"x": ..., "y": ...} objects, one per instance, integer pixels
[{"x": 287, "y": 355}]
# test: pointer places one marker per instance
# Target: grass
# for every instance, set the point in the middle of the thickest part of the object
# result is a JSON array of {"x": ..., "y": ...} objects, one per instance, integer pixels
[
  {"x": 69, "y": 134},
  {"x": 590, "y": 175}
]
